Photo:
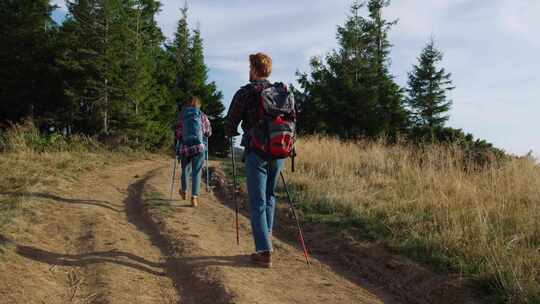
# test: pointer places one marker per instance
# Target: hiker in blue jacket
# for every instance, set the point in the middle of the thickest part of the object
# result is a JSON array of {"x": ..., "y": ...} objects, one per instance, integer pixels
[{"x": 192, "y": 132}]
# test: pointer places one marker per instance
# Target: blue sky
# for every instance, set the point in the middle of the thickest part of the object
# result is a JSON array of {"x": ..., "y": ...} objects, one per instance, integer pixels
[{"x": 490, "y": 47}]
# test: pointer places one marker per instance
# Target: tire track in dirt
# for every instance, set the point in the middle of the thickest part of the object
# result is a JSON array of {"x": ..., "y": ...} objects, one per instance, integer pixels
[
  {"x": 193, "y": 287},
  {"x": 109, "y": 247},
  {"x": 85, "y": 250},
  {"x": 84, "y": 280},
  {"x": 72, "y": 280},
  {"x": 122, "y": 263},
  {"x": 207, "y": 246}
]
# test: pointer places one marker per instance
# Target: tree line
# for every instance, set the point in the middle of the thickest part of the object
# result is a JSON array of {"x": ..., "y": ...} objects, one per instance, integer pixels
[
  {"x": 350, "y": 92},
  {"x": 106, "y": 70}
]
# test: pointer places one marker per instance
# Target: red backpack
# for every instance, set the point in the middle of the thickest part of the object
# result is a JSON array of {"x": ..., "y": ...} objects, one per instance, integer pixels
[{"x": 274, "y": 122}]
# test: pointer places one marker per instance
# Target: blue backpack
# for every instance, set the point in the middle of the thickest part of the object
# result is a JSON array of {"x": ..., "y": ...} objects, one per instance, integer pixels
[{"x": 192, "y": 134}]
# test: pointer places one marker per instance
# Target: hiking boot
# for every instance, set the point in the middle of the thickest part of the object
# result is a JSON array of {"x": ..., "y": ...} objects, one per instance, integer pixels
[
  {"x": 263, "y": 259},
  {"x": 182, "y": 194},
  {"x": 194, "y": 201}
]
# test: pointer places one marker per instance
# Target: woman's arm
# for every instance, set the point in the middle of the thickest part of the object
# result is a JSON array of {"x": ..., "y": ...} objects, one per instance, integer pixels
[
  {"x": 206, "y": 126},
  {"x": 179, "y": 128}
]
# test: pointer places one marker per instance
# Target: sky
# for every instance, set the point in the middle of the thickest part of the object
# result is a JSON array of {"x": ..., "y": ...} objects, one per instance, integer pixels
[{"x": 489, "y": 46}]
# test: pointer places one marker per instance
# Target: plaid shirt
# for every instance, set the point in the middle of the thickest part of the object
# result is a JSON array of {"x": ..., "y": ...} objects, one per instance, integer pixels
[
  {"x": 240, "y": 110},
  {"x": 188, "y": 151}
]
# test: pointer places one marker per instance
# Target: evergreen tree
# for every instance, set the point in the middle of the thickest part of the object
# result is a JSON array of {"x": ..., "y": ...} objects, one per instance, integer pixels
[
  {"x": 142, "y": 41},
  {"x": 29, "y": 80},
  {"x": 187, "y": 53},
  {"x": 427, "y": 89},
  {"x": 351, "y": 92},
  {"x": 109, "y": 63},
  {"x": 181, "y": 54},
  {"x": 157, "y": 107},
  {"x": 198, "y": 72},
  {"x": 391, "y": 112},
  {"x": 210, "y": 96},
  {"x": 159, "y": 111},
  {"x": 89, "y": 63}
]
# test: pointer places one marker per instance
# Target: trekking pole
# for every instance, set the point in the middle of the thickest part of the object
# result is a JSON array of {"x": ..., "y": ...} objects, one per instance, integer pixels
[
  {"x": 300, "y": 234},
  {"x": 293, "y": 155},
  {"x": 207, "y": 176},
  {"x": 175, "y": 161},
  {"x": 172, "y": 177},
  {"x": 234, "y": 191}
]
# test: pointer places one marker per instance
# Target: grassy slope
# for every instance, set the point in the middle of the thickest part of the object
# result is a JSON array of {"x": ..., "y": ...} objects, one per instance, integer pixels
[
  {"x": 33, "y": 164},
  {"x": 483, "y": 223}
]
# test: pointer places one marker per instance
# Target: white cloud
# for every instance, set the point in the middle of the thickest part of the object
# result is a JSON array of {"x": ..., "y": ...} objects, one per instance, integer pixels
[
  {"x": 520, "y": 18},
  {"x": 231, "y": 65},
  {"x": 60, "y": 3},
  {"x": 291, "y": 31},
  {"x": 490, "y": 47}
]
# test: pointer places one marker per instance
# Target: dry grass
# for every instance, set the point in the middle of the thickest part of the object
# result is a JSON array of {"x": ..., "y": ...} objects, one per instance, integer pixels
[
  {"x": 30, "y": 163},
  {"x": 482, "y": 222}
]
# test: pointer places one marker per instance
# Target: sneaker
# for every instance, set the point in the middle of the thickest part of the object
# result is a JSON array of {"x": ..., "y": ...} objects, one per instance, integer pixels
[
  {"x": 182, "y": 194},
  {"x": 194, "y": 201},
  {"x": 263, "y": 259}
]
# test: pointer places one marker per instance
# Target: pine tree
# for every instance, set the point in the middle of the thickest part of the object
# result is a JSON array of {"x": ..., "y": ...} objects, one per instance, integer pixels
[
  {"x": 159, "y": 111},
  {"x": 187, "y": 53},
  {"x": 198, "y": 79},
  {"x": 198, "y": 72},
  {"x": 351, "y": 93},
  {"x": 109, "y": 63},
  {"x": 427, "y": 89},
  {"x": 331, "y": 101},
  {"x": 210, "y": 96},
  {"x": 390, "y": 108},
  {"x": 181, "y": 55},
  {"x": 29, "y": 82},
  {"x": 88, "y": 64},
  {"x": 142, "y": 39}
]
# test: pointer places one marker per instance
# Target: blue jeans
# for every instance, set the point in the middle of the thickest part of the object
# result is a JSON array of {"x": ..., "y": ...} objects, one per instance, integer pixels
[
  {"x": 193, "y": 164},
  {"x": 262, "y": 176}
]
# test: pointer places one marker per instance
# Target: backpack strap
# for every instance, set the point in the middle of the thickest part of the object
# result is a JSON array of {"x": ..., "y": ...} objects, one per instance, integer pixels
[{"x": 254, "y": 114}]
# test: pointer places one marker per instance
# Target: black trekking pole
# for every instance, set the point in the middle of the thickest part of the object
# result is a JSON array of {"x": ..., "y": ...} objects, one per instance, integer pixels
[
  {"x": 293, "y": 156},
  {"x": 234, "y": 191},
  {"x": 300, "y": 234}
]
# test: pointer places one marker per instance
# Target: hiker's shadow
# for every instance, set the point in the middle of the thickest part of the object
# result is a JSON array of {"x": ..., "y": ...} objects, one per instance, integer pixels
[
  {"x": 96, "y": 203},
  {"x": 231, "y": 261},
  {"x": 173, "y": 203},
  {"x": 99, "y": 257}
]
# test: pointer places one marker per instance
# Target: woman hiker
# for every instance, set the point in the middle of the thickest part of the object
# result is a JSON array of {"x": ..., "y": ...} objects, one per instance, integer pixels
[{"x": 192, "y": 132}]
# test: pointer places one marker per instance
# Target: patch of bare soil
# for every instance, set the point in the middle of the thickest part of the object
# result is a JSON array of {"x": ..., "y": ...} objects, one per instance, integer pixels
[
  {"x": 82, "y": 246},
  {"x": 205, "y": 241}
]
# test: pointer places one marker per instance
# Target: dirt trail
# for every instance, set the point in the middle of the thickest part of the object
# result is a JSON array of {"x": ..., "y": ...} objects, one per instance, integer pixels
[
  {"x": 208, "y": 243},
  {"x": 83, "y": 247},
  {"x": 96, "y": 243}
]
